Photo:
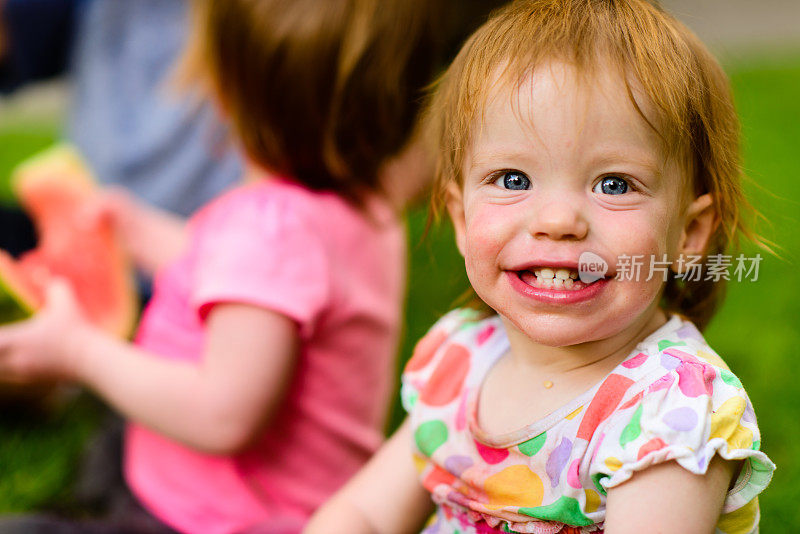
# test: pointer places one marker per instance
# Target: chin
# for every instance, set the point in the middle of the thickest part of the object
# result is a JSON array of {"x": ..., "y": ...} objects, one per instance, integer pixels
[
  {"x": 562, "y": 335},
  {"x": 552, "y": 330},
  {"x": 557, "y": 330}
]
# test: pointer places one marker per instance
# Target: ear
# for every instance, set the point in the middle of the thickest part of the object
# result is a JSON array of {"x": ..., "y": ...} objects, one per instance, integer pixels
[
  {"x": 699, "y": 225},
  {"x": 455, "y": 207}
]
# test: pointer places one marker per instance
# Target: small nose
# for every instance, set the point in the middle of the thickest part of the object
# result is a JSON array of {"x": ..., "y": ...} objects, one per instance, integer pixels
[{"x": 560, "y": 219}]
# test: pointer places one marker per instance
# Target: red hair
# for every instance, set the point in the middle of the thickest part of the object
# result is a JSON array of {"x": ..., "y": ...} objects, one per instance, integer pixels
[{"x": 687, "y": 87}]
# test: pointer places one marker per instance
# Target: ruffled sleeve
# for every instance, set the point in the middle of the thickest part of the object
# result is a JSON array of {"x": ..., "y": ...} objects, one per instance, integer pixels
[
  {"x": 687, "y": 414},
  {"x": 428, "y": 352}
]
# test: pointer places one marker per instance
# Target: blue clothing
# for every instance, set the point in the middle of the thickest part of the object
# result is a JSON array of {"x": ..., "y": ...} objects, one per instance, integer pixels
[{"x": 133, "y": 131}]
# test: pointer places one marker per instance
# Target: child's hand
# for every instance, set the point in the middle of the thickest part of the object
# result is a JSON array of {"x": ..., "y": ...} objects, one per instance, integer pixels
[
  {"x": 118, "y": 209},
  {"x": 46, "y": 347},
  {"x": 151, "y": 236}
]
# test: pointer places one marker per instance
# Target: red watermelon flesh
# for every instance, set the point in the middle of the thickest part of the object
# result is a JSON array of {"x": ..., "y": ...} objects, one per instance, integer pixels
[{"x": 55, "y": 188}]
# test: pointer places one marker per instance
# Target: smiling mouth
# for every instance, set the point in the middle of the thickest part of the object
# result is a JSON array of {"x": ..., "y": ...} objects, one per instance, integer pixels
[{"x": 553, "y": 278}]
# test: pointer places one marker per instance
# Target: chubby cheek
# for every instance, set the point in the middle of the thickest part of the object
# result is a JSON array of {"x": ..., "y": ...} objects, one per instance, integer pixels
[
  {"x": 642, "y": 295},
  {"x": 649, "y": 237},
  {"x": 487, "y": 233},
  {"x": 648, "y": 234}
]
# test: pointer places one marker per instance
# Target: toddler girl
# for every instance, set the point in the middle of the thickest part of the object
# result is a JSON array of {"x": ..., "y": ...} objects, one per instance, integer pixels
[
  {"x": 261, "y": 371},
  {"x": 574, "y": 136}
]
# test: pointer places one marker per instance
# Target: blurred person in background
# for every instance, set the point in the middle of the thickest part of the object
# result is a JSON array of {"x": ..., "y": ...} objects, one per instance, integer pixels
[
  {"x": 397, "y": 185},
  {"x": 169, "y": 153},
  {"x": 260, "y": 377},
  {"x": 166, "y": 150}
]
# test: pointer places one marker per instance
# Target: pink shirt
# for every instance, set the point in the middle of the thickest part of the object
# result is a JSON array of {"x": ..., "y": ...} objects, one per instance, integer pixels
[{"x": 339, "y": 274}]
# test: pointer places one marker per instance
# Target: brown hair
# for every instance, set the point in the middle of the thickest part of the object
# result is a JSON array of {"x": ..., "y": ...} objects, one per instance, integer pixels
[
  {"x": 322, "y": 91},
  {"x": 696, "y": 118}
]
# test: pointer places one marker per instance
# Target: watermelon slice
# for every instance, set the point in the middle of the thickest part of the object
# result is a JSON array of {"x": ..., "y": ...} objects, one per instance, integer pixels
[{"x": 54, "y": 188}]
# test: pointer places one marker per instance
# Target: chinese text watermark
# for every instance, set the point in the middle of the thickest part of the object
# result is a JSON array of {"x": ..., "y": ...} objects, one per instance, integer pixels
[{"x": 690, "y": 268}]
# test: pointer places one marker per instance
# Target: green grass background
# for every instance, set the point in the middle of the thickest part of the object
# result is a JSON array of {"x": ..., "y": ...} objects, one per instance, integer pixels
[{"x": 757, "y": 331}]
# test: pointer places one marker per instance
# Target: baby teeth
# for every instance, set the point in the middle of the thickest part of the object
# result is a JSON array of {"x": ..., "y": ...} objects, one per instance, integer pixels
[
  {"x": 545, "y": 273},
  {"x": 556, "y": 283},
  {"x": 554, "y": 278}
]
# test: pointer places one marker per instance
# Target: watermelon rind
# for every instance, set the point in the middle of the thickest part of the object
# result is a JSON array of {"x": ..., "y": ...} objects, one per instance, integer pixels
[
  {"x": 61, "y": 159},
  {"x": 12, "y": 306},
  {"x": 16, "y": 302}
]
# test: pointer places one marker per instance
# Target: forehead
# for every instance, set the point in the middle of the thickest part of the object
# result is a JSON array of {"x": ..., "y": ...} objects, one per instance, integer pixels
[{"x": 558, "y": 103}]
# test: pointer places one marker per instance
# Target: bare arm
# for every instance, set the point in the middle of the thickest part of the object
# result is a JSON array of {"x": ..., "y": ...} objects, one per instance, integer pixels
[
  {"x": 667, "y": 498},
  {"x": 217, "y": 405},
  {"x": 385, "y": 497},
  {"x": 153, "y": 237}
]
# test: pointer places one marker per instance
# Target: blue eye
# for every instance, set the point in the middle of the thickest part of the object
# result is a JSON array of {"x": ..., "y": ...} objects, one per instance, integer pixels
[
  {"x": 611, "y": 185},
  {"x": 513, "y": 180}
]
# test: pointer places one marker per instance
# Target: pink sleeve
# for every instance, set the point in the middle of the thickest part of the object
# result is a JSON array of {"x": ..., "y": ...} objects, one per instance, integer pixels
[{"x": 258, "y": 251}]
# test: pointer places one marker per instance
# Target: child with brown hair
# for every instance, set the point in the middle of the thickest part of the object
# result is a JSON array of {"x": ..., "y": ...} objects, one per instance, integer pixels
[
  {"x": 261, "y": 371},
  {"x": 575, "y": 135}
]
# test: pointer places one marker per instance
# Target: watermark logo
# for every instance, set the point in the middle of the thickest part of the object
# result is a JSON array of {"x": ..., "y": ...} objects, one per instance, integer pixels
[
  {"x": 690, "y": 268},
  {"x": 591, "y": 267}
]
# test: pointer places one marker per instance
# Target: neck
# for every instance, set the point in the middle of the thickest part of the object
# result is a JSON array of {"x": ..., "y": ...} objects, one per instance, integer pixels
[
  {"x": 254, "y": 173},
  {"x": 405, "y": 177},
  {"x": 543, "y": 360}
]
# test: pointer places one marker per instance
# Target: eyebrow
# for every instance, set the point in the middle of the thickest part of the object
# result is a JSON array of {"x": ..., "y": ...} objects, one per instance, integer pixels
[
  {"x": 489, "y": 156},
  {"x": 607, "y": 158},
  {"x": 619, "y": 157}
]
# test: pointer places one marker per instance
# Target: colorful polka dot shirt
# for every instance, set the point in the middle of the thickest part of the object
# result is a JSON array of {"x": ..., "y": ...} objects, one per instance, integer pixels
[{"x": 672, "y": 398}]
